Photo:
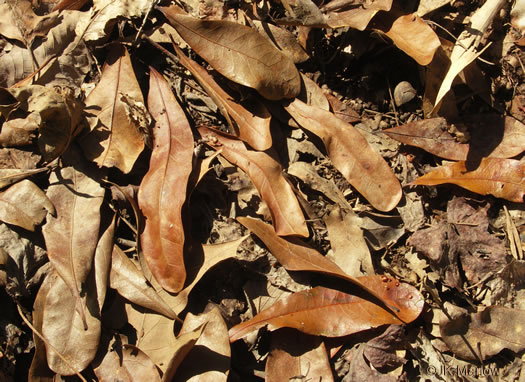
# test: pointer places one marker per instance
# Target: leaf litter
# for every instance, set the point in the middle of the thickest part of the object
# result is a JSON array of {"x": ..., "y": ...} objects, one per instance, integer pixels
[{"x": 263, "y": 223}]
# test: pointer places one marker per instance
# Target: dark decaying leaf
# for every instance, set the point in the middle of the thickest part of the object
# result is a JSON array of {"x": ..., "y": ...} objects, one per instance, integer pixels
[
  {"x": 331, "y": 313},
  {"x": 251, "y": 117},
  {"x": 240, "y": 54},
  {"x": 295, "y": 255},
  {"x": 481, "y": 335},
  {"x": 162, "y": 192},
  {"x": 296, "y": 355},
  {"x": 131, "y": 284},
  {"x": 265, "y": 173},
  {"x": 502, "y": 178},
  {"x": 114, "y": 139},
  {"x": 72, "y": 234},
  {"x": 351, "y": 154}
]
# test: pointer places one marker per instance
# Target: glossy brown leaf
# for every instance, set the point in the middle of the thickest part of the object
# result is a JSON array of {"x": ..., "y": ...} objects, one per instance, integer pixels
[
  {"x": 63, "y": 327},
  {"x": 240, "y": 54},
  {"x": 486, "y": 333},
  {"x": 502, "y": 178},
  {"x": 265, "y": 173},
  {"x": 294, "y": 354},
  {"x": 295, "y": 255},
  {"x": 24, "y": 204},
  {"x": 131, "y": 284},
  {"x": 491, "y": 136},
  {"x": 331, "y": 313},
  {"x": 252, "y": 119},
  {"x": 162, "y": 192},
  {"x": 71, "y": 235},
  {"x": 114, "y": 139},
  {"x": 351, "y": 154}
]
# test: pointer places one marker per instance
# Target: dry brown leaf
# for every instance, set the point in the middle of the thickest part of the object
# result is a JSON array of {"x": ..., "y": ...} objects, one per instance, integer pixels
[
  {"x": 517, "y": 15},
  {"x": 131, "y": 284},
  {"x": 481, "y": 335},
  {"x": 351, "y": 154},
  {"x": 331, "y": 313},
  {"x": 240, "y": 54},
  {"x": 209, "y": 359},
  {"x": 410, "y": 34},
  {"x": 351, "y": 253},
  {"x": 126, "y": 363},
  {"x": 492, "y": 136},
  {"x": 25, "y": 205},
  {"x": 19, "y": 131},
  {"x": 63, "y": 327},
  {"x": 266, "y": 175},
  {"x": 114, "y": 139},
  {"x": 354, "y": 14},
  {"x": 162, "y": 192},
  {"x": 502, "y": 178},
  {"x": 295, "y": 255},
  {"x": 72, "y": 235},
  {"x": 102, "y": 260},
  {"x": 295, "y": 355},
  {"x": 252, "y": 118}
]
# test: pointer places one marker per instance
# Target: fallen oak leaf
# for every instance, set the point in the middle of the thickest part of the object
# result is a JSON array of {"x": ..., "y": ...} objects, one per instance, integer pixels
[
  {"x": 351, "y": 154},
  {"x": 327, "y": 312},
  {"x": 239, "y": 53},
  {"x": 266, "y": 175},
  {"x": 162, "y": 192},
  {"x": 502, "y": 178}
]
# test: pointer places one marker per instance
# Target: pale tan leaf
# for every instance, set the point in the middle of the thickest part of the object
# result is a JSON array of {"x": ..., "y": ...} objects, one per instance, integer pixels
[
  {"x": 114, "y": 139},
  {"x": 240, "y": 54},
  {"x": 102, "y": 259},
  {"x": 185, "y": 342}
]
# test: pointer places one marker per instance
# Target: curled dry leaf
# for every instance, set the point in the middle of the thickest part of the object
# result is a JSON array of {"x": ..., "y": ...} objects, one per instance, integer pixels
[
  {"x": 482, "y": 335},
  {"x": 25, "y": 205},
  {"x": 240, "y": 54},
  {"x": 351, "y": 154},
  {"x": 252, "y": 118},
  {"x": 265, "y": 173},
  {"x": 331, "y": 313},
  {"x": 295, "y": 255},
  {"x": 63, "y": 328},
  {"x": 295, "y": 354},
  {"x": 492, "y": 136},
  {"x": 71, "y": 235},
  {"x": 212, "y": 347},
  {"x": 114, "y": 139},
  {"x": 162, "y": 192},
  {"x": 502, "y": 178},
  {"x": 131, "y": 284}
]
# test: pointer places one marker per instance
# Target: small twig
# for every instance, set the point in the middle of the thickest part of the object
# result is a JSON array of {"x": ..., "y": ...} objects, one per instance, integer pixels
[{"x": 144, "y": 20}]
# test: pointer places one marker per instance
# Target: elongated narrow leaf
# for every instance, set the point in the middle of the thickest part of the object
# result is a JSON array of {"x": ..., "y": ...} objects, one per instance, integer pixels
[
  {"x": 331, "y": 313},
  {"x": 503, "y": 178},
  {"x": 162, "y": 191},
  {"x": 131, "y": 284},
  {"x": 240, "y": 54},
  {"x": 71, "y": 235},
  {"x": 62, "y": 326},
  {"x": 295, "y": 255},
  {"x": 253, "y": 121},
  {"x": 102, "y": 261},
  {"x": 351, "y": 154},
  {"x": 114, "y": 139},
  {"x": 491, "y": 136},
  {"x": 265, "y": 173}
]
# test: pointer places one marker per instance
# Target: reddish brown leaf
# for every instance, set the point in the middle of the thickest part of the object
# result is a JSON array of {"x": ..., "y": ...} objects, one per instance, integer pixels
[
  {"x": 72, "y": 235},
  {"x": 492, "y": 136},
  {"x": 163, "y": 189},
  {"x": 294, "y": 355},
  {"x": 331, "y": 313},
  {"x": 351, "y": 154},
  {"x": 503, "y": 178},
  {"x": 240, "y": 54},
  {"x": 265, "y": 174},
  {"x": 295, "y": 255},
  {"x": 114, "y": 139},
  {"x": 253, "y": 120}
]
